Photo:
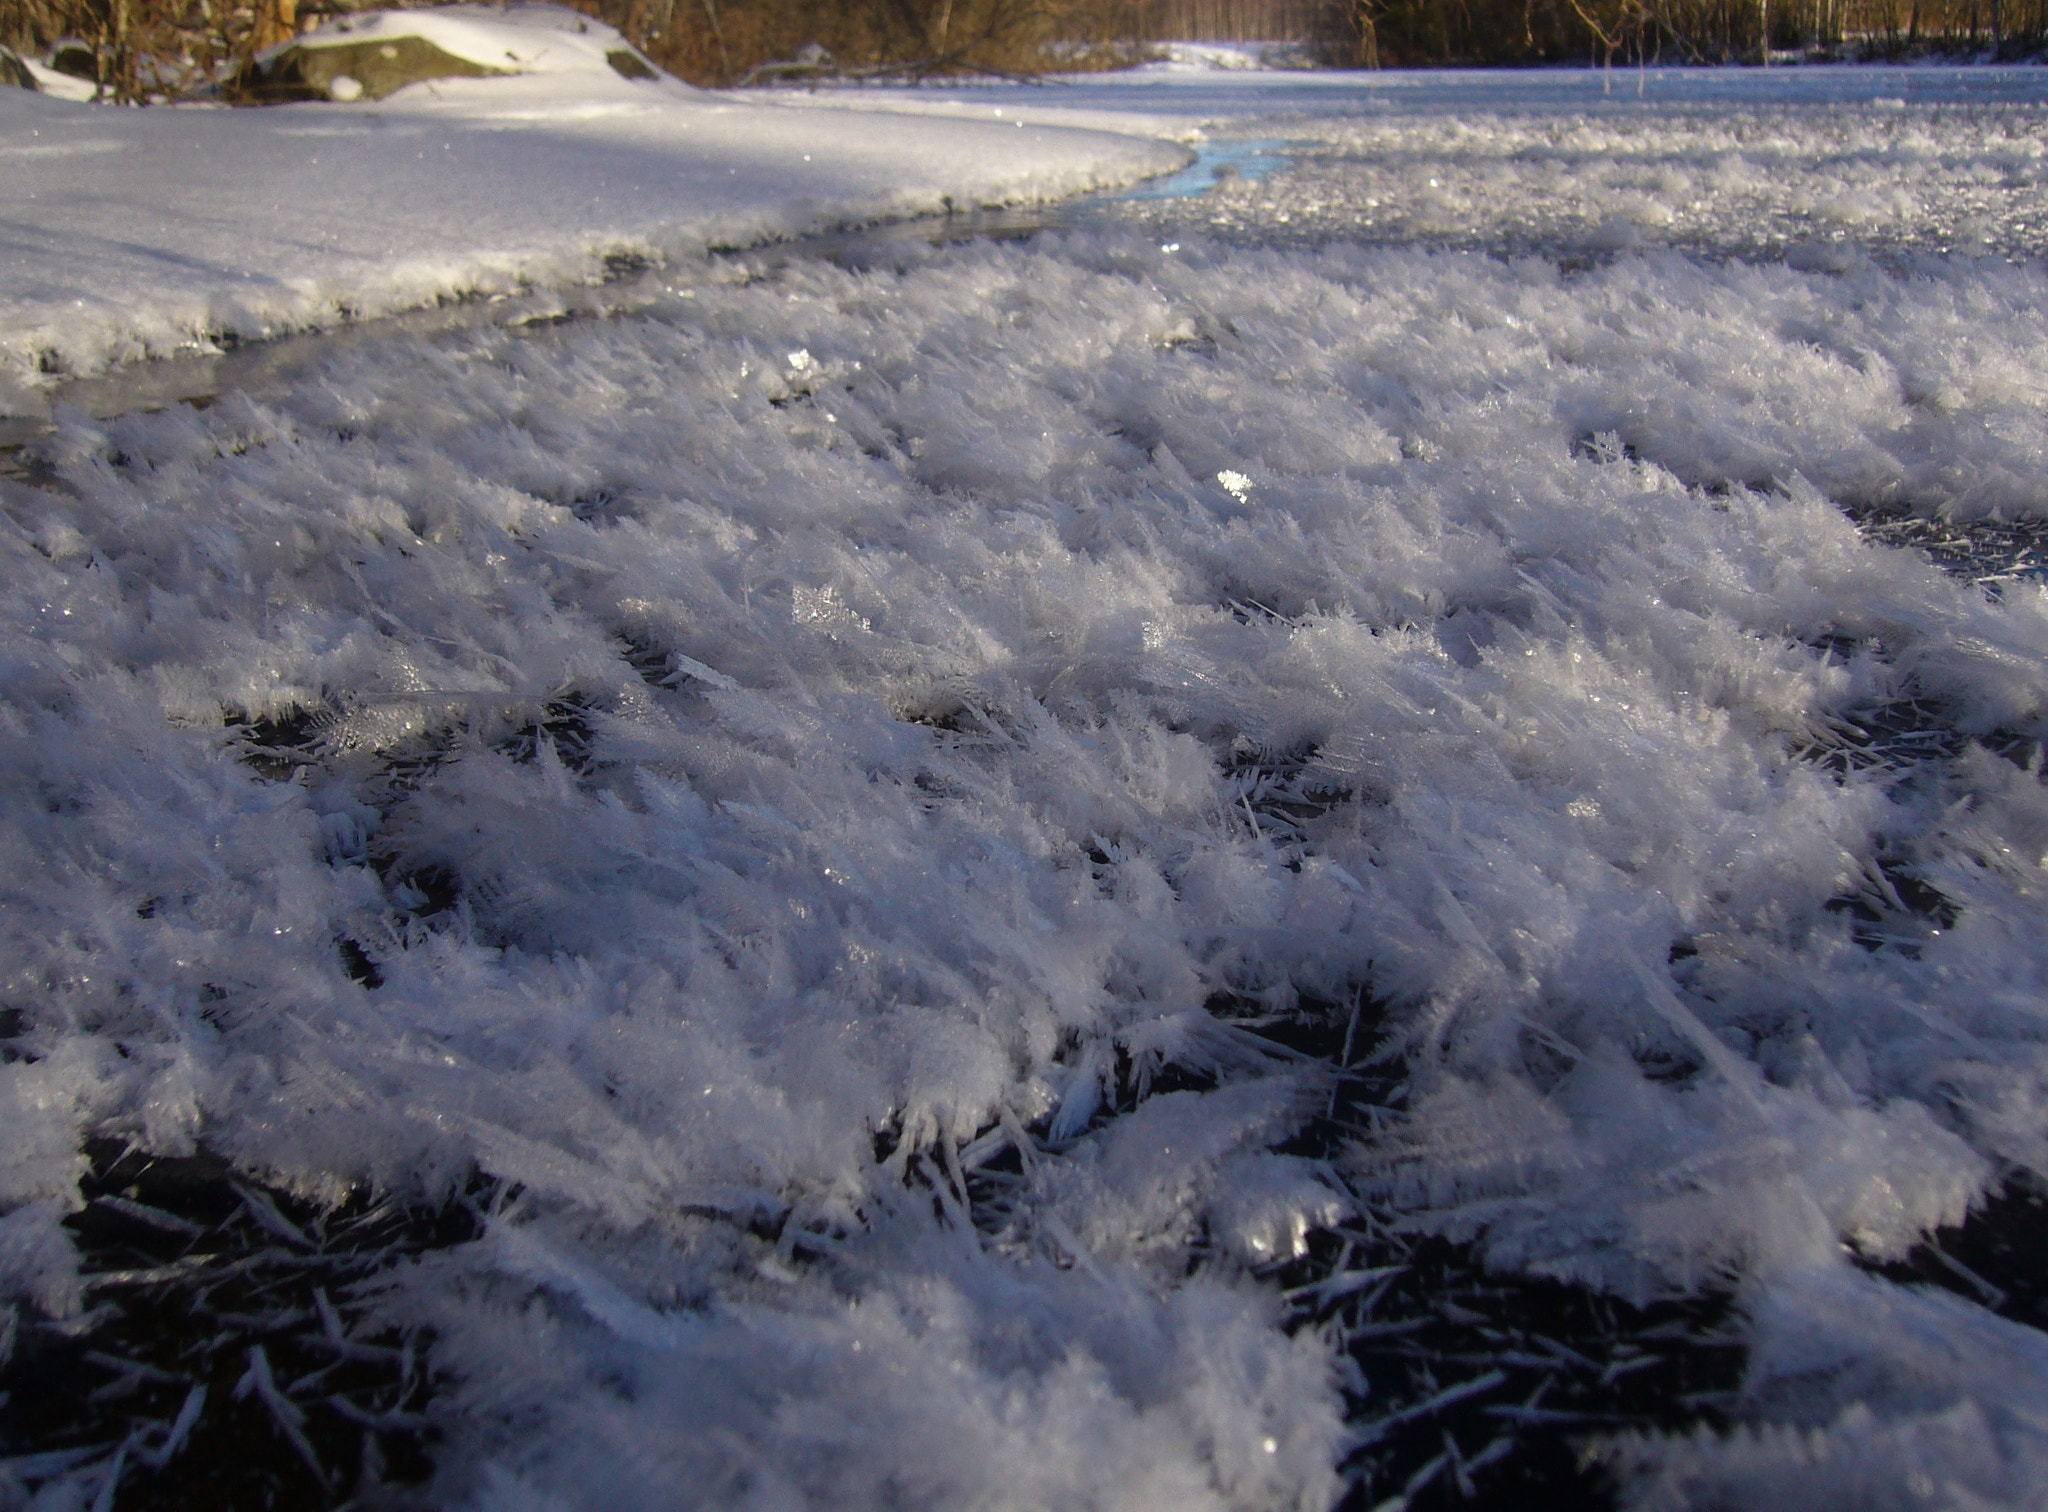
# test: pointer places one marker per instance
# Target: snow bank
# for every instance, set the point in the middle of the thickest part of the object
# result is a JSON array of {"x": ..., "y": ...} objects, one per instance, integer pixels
[
  {"x": 140, "y": 233},
  {"x": 1200, "y": 57}
]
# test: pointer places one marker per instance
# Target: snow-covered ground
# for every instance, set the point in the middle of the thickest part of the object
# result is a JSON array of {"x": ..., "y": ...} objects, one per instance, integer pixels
[
  {"x": 828, "y": 800},
  {"x": 128, "y": 234}
]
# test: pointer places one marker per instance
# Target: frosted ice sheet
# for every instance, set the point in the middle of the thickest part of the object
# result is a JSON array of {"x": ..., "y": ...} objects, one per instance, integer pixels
[
  {"x": 736, "y": 771},
  {"x": 1725, "y": 160},
  {"x": 1820, "y": 181},
  {"x": 1180, "y": 101},
  {"x": 1745, "y": 161}
]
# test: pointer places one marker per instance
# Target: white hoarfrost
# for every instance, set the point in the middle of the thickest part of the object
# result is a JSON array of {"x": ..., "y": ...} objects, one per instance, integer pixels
[
  {"x": 1882, "y": 1397},
  {"x": 911, "y": 685},
  {"x": 1762, "y": 174},
  {"x": 799, "y": 757}
]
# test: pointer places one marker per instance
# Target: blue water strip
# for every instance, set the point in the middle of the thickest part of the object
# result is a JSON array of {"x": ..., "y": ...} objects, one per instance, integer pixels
[{"x": 1215, "y": 163}]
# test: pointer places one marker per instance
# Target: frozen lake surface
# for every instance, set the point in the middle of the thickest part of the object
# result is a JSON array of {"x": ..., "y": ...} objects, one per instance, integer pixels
[{"x": 1371, "y": 834}]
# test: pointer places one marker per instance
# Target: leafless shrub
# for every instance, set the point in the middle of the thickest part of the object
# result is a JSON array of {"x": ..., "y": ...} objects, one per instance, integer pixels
[
  {"x": 140, "y": 51},
  {"x": 724, "y": 41},
  {"x": 144, "y": 50}
]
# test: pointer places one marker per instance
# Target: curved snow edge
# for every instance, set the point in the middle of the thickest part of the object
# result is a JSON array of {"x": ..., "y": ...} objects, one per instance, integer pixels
[{"x": 146, "y": 234}]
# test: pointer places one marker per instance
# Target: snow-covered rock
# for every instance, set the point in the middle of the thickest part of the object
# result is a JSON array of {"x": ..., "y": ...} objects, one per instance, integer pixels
[
  {"x": 369, "y": 55},
  {"x": 14, "y": 70}
]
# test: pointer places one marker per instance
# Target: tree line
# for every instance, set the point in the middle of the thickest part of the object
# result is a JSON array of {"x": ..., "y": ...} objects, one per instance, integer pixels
[
  {"x": 155, "y": 49},
  {"x": 1694, "y": 31}
]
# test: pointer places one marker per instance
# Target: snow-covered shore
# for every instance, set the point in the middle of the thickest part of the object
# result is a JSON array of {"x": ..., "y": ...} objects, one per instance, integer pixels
[{"x": 126, "y": 234}]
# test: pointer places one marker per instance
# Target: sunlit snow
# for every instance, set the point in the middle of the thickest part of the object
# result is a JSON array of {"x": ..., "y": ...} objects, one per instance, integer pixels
[{"x": 130, "y": 234}]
